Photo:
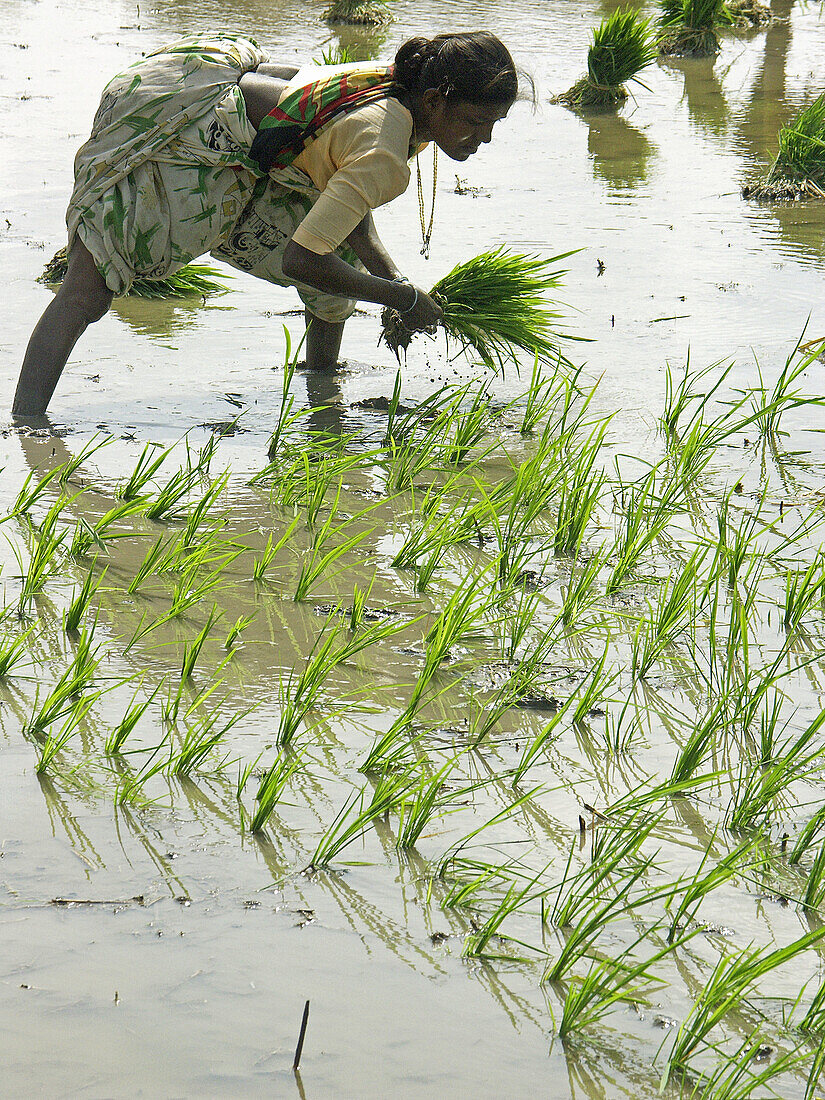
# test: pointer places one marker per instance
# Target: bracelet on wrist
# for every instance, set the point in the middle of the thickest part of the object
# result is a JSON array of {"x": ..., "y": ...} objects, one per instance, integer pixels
[{"x": 405, "y": 281}]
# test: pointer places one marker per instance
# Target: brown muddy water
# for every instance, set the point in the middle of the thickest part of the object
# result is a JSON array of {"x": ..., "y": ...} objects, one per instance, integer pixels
[{"x": 150, "y": 944}]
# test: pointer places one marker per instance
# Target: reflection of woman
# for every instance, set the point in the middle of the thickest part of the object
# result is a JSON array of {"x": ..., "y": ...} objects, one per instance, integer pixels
[{"x": 204, "y": 146}]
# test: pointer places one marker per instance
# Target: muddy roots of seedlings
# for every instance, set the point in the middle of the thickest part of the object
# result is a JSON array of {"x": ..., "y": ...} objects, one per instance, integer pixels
[
  {"x": 585, "y": 93},
  {"x": 191, "y": 281},
  {"x": 364, "y": 13},
  {"x": 688, "y": 27},
  {"x": 689, "y": 42},
  {"x": 749, "y": 14},
  {"x": 799, "y": 169}
]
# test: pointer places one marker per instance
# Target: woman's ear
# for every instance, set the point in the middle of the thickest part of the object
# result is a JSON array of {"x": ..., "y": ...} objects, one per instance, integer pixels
[{"x": 432, "y": 105}]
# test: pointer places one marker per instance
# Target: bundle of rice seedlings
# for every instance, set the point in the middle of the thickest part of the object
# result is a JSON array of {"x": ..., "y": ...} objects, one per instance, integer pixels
[
  {"x": 622, "y": 47},
  {"x": 748, "y": 14},
  {"x": 495, "y": 304},
  {"x": 192, "y": 281},
  {"x": 370, "y": 13},
  {"x": 799, "y": 169},
  {"x": 689, "y": 27}
]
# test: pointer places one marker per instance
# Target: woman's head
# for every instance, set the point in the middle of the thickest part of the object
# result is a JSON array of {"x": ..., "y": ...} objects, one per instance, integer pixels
[{"x": 457, "y": 86}]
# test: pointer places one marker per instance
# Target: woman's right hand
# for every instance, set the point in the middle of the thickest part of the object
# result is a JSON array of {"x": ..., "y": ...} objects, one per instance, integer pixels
[{"x": 424, "y": 314}]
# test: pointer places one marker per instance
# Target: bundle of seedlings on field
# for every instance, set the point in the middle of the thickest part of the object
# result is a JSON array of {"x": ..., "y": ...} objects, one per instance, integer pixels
[
  {"x": 192, "y": 281},
  {"x": 494, "y": 304},
  {"x": 688, "y": 27},
  {"x": 368, "y": 13},
  {"x": 748, "y": 14},
  {"x": 622, "y": 47},
  {"x": 799, "y": 169}
]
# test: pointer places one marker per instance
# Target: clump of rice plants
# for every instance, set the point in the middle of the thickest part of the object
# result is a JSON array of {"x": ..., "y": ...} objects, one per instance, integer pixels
[
  {"x": 191, "y": 281},
  {"x": 798, "y": 172},
  {"x": 494, "y": 304},
  {"x": 366, "y": 13},
  {"x": 689, "y": 27},
  {"x": 622, "y": 47}
]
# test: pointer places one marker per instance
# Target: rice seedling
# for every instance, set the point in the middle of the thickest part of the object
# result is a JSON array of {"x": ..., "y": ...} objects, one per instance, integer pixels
[
  {"x": 192, "y": 650},
  {"x": 814, "y": 894},
  {"x": 622, "y": 47},
  {"x": 368, "y": 13},
  {"x": 261, "y": 564},
  {"x": 738, "y": 861},
  {"x": 467, "y": 425},
  {"x": 198, "y": 742},
  {"x": 807, "y": 835},
  {"x": 804, "y": 592},
  {"x": 74, "y": 613},
  {"x": 69, "y": 468},
  {"x": 190, "y": 589},
  {"x": 579, "y": 593},
  {"x": 648, "y": 509},
  {"x": 118, "y": 735},
  {"x": 798, "y": 171},
  {"x": 759, "y": 788},
  {"x": 436, "y": 532},
  {"x": 737, "y": 1076},
  {"x": 335, "y": 55},
  {"x": 594, "y": 688},
  {"x": 768, "y": 406},
  {"x": 675, "y": 610},
  {"x": 299, "y": 691},
  {"x": 12, "y": 652},
  {"x": 61, "y": 699},
  {"x": 286, "y": 418},
  {"x": 476, "y": 943},
  {"x": 358, "y": 813},
  {"x": 45, "y": 546},
  {"x": 31, "y": 491},
  {"x": 813, "y": 1021},
  {"x": 168, "y": 504},
  {"x": 99, "y": 534},
  {"x": 731, "y": 979},
  {"x": 688, "y": 27},
  {"x": 453, "y": 856},
  {"x": 409, "y": 455},
  {"x": 496, "y": 305},
  {"x": 579, "y": 492},
  {"x": 534, "y": 749},
  {"x": 156, "y": 560},
  {"x": 201, "y": 512},
  {"x": 190, "y": 281},
  {"x": 237, "y": 628},
  {"x": 539, "y": 398},
  {"x": 145, "y": 469},
  {"x": 55, "y": 743},
  {"x": 694, "y": 751},
  {"x": 318, "y": 559},
  {"x": 271, "y": 787},
  {"x": 129, "y": 791},
  {"x": 420, "y": 805},
  {"x": 608, "y": 983},
  {"x": 679, "y": 397}
]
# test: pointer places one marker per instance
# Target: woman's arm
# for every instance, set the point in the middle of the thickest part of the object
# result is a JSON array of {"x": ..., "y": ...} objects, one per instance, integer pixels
[
  {"x": 369, "y": 248},
  {"x": 332, "y": 275}
]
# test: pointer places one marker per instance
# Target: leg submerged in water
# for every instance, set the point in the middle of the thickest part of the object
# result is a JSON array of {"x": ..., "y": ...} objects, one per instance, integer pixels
[
  {"x": 323, "y": 342},
  {"x": 82, "y": 299}
]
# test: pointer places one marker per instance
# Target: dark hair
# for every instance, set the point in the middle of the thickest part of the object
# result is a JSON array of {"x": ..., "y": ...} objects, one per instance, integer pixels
[{"x": 473, "y": 66}]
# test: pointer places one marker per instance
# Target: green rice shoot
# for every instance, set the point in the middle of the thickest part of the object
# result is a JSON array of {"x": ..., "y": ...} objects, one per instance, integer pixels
[
  {"x": 495, "y": 305},
  {"x": 689, "y": 27},
  {"x": 191, "y": 281},
  {"x": 622, "y": 47},
  {"x": 798, "y": 172}
]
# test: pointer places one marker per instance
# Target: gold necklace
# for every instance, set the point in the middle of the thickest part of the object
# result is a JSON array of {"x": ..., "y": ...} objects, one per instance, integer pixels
[{"x": 426, "y": 229}]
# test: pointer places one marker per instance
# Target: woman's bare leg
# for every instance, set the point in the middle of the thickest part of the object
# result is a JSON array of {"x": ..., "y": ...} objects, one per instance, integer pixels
[
  {"x": 323, "y": 342},
  {"x": 83, "y": 298}
]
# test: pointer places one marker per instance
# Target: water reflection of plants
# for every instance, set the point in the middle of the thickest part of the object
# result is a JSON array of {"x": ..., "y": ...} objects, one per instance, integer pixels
[{"x": 509, "y": 627}]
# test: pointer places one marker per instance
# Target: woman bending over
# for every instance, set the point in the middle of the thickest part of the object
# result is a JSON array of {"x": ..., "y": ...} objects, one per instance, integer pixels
[{"x": 207, "y": 146}]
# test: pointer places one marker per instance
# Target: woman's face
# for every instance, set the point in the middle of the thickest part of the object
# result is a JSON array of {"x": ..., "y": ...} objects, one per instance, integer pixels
[{"x": 458, "y": 127}]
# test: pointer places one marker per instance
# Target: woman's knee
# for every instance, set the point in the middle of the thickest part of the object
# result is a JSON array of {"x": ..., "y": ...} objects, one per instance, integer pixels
[{"x": 84, "y": 291}]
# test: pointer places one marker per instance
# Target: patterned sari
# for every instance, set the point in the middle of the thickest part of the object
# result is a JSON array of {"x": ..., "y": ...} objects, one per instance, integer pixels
[{"x": 168, "y": 172}]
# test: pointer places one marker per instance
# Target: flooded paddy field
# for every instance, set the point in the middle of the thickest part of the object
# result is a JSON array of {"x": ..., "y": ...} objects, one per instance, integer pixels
[{"x": 490, "y": 723}]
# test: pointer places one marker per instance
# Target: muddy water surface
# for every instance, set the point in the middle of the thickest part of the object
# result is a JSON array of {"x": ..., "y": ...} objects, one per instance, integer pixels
[{"x": 152, "y": 946}]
